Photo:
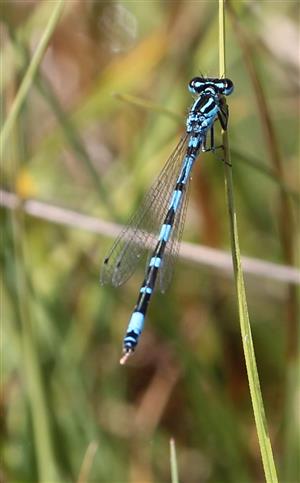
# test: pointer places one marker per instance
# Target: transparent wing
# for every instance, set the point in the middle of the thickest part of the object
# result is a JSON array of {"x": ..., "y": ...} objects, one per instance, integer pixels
[
  {"x": 141, "y": 233},
  {"x": 171, "y": 251}
]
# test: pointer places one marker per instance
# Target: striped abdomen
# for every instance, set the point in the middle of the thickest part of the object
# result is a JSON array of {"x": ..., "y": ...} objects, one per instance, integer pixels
[{"x": 136, "y": 322}]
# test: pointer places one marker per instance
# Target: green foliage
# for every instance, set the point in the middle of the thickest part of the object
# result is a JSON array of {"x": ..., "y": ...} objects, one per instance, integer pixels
[{"x": 91, "y": 134}]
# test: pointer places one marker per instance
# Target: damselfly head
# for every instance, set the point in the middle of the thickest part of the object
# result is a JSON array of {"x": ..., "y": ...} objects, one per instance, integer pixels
[{"x": 222, "y": 86}]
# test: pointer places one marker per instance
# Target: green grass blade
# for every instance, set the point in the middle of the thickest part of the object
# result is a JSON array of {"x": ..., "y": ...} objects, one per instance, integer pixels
[
  {"x": 253, "y": 378},
  {"x": 31, "y": 360},
  {"x": 30, "y": 74},
  {"x": 87, "y": 462},
  {"x": 173, "y": 462},
  {"x": 146, "y": 104}
]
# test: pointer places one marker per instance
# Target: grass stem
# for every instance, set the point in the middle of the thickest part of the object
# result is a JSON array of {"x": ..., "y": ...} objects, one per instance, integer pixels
[
  {"x": 173, "y": 462},
  {"x": 249, "y": 354}
]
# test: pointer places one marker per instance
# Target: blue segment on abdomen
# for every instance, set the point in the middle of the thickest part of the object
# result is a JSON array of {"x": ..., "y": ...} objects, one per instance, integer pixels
[
  {"x": 165, "y": 232},
  {"x": 155, "y": 262},
  {"x": 189, "y": 165},
  {"x": 136, "y": 323},
  {"x": 186, "y": 170},
  {"x": 175, "y": 199}
]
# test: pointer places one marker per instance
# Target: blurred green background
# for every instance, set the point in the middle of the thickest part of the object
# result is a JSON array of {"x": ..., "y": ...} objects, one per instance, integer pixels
[{"x": 69, "y": 411}]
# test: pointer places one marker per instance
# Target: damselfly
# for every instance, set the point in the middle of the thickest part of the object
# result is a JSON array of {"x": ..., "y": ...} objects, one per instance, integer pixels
[{"x": 158, "y": 223}]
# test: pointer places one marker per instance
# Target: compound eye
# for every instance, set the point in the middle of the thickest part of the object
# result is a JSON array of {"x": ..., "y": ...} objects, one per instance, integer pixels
[
  {"x": 228, "y": 86},
  {"x": 195, "y": 85}
]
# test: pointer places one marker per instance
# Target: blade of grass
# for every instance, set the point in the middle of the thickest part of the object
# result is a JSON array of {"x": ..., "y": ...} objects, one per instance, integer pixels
[
  {"x": 287, "y": 234},
  {"x": 151, "y": 106},
  {"x": 46, "y": 465},
  {"x": 35, "y": 22},
  {"x": 286, "y": 222},
  {"x": 30, "y": 74},
  {"x": 253, "y": 378},
  {"x": 173, "y": 462},
  {"x": 30, "y": 370},
  {"x": 44, "y": 452},
  {"x": 87, "y": 462}
]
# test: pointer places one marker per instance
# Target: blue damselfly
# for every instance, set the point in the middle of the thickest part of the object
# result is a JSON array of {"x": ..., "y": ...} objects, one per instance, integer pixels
[{"x": 158, "y": 223}]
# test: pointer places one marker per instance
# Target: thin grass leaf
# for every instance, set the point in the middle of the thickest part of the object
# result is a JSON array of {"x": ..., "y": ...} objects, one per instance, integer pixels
[
  {"x": 87, "y": 463},
  {"x": 44, "y": 452},
  {"x": 151, "y": 106},
  {"x": 36, "y": 21},
  {"x": 31, "y": 359},
  {"x": 173, "y": 462},
  {"x": 287, "y": 235},
  {"x": 253, "y": 378},
  {"x": 30, "y": 74}
]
